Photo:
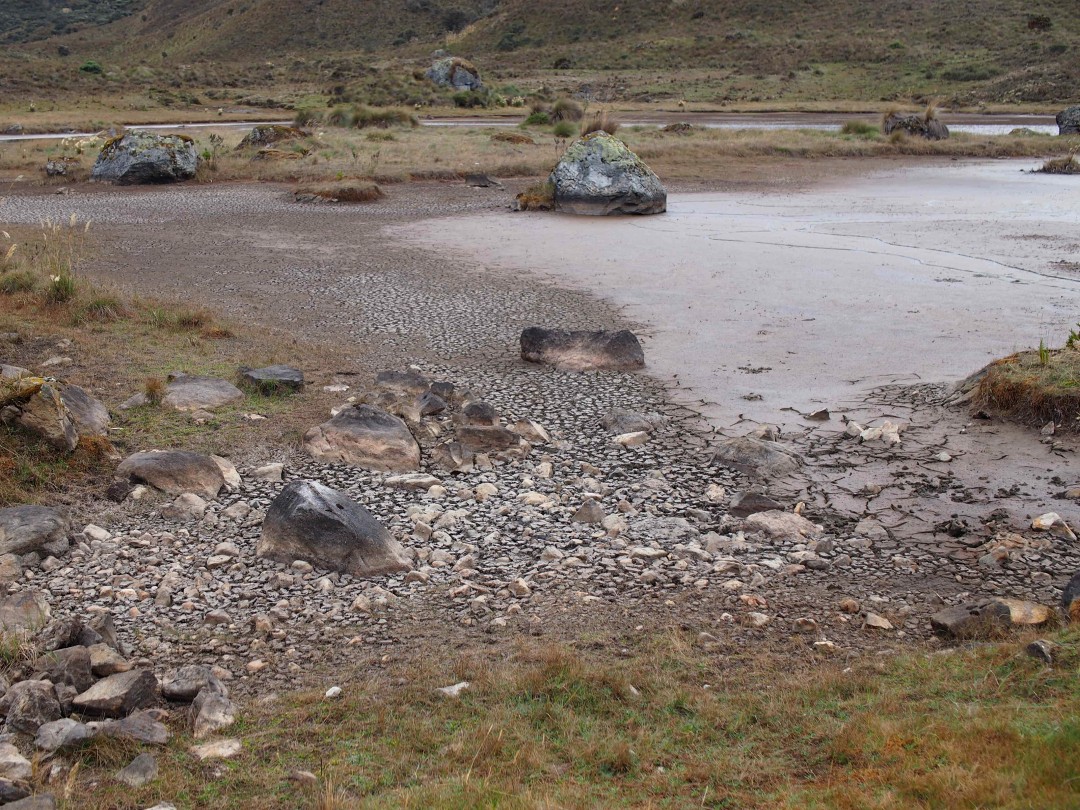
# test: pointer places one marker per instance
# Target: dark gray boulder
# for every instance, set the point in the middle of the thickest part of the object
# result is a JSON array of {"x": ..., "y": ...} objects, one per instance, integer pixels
[
  {"x": 1068, "y": 121},
  {"x": 174, "y": 472},
  {"x": 138, "y": 158},
  {"x": 309, "y": 521},
  {"x": 598, "y": 175},
  {"x": 28, "y": 705},
  {"x": 365, "y": 436},
  {"x": 455, "y": 73},
  {"x": 29, "y": 528},
  {"x": 274, "y": 379},
  {"x": 582, "y": 351}
]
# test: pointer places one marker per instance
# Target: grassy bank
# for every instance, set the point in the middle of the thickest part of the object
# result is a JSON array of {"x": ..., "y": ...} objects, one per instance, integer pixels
[
  {"x": 400, "y": 154},
  {"x": 665, "y": 723},
  {"x": 119, "y": 345}
]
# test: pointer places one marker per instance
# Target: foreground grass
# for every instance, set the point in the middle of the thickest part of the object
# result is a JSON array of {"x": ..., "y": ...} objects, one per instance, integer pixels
[
  {"x": 666, "y": 724},
  {"x": 402, "y": 154}
]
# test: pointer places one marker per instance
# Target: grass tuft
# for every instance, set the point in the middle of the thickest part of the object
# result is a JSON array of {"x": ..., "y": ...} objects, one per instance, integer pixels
[
  {"x": 601, "y": 122},
  {"x": 1062, "y": 165}
]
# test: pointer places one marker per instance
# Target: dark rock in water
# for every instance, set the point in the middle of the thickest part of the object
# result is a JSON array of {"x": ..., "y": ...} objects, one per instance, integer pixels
[
  {"x": 918, "y": 125},
  {"x": 750, "y": 503},
  {"x": 755, "y": 457},
  {"x": 455, "y": 73},
  {"x": 365, "y": 436},
  {"x": 1070, "y": 599},
  {"x": 137, "y": 158},
  {"x": 174, "y": 472},
  {"x": 28, "y": 528},
  {"x": 582, "y": 351},
  {"x": 309, "y": 521},
  {"x": 1068, "y": 121},
  {"x": 989, "y": 618},
  {"x": 268, "y": 135},
  {"x": 598, "y": 175},
  {"x": 273, "y": 379}
]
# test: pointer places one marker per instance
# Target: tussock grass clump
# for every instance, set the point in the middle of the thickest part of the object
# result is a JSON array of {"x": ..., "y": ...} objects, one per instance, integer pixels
[
  {"x": 154, "y": 390},
  {"x": 564, "y": 129},
  {"x": 566, "y": 109},
  {"x": 601, "y": 122},
  {"x": 516, "y": 138},
  {"x": 17, "y": 281},
  {"x": 1035, "y": 387},
  {"x": 539, "y": 197},
  {"x": 1062, "y": 165},
  {"x": 360, "y": 116},
  {"x": 860, "y": 129},
  {"x": 100, "y": 308},
  {"x": 348, "y": 191}
]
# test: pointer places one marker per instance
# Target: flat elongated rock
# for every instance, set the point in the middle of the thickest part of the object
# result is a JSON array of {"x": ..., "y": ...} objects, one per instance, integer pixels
[
  {"x": 599, "y": 176},
  {"x": 105, "y": 661},
  {"x": 218, "y": 749},
  {"x": 365, "y": 436},
  {"x": 274, "y": 379},
  {"x": 781, "y": 525},
  {"x": 989, "y": 617},
  {"x": 582, "y": 351},
  {"x": 194, "y": 393},
  {"x": 140, "y": 727},
  {"x": 43, "y": 801},
  {"x": 309, "y": 521},
  {"x": 755, "y": 457},
  {"x": 174, "y": 472},
  {"x": 28, "y": 528},
  {"x": 621, "y": 421},
  {"x": 119, "y": 695},
  {"x": 62, "y": 733}
]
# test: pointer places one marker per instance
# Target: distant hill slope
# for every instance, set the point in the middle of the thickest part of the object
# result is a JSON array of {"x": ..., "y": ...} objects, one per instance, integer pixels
[
  {"x": 27, "y": 20},
  {"x": 1009, "y": 49}
]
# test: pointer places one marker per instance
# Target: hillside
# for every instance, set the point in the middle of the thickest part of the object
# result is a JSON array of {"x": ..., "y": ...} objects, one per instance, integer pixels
[{"x": 971, "y": 50}]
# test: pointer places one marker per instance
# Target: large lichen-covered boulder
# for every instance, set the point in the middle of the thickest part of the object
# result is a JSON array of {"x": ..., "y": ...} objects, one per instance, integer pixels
[
  {"x": 311, "y": 522},
  {"x": 1068, "y": 121},
  {"x": 137, "y": 158},
  {"x": 455, "y": 73},
  {"x": 599, "y": 175},
  {"x": 922, "y": 126}
]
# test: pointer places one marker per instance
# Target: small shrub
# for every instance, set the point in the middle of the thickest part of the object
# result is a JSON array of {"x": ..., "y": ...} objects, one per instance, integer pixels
[
  {"x": 101, "y": 308},
  {"x": 1062, "y": 165},
  {"x": 380, "y": 136},
  {"x": 60, "y": 290},
  {"x": 540, "y": 197},
  {"x": 17, "y": 281},
  {"x": 91, "y": 67},
  {"x": 537, "y": 119},
  {"x": 362, "y": 117},
  {"x": 517, "y": 138},
  {"x": 860, "y": 129},
  {"x": 564, "y": 129},
  {"x": 566, "y": 109},
  {"x": 601, "y": 122},
  {"x": 154, "y": 390},
  {"x": 306, "y": 116}
]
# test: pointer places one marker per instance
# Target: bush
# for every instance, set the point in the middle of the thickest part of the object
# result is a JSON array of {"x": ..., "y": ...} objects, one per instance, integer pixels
[
  {"x": 861, "y": 129},
  {"x": 91, "y": 67},
  {"x": 540, "y": 197},
  {"x": 305, "y": 116},
  {"x": 566, "y": 109},
  {"x": 17, "y": 282},
  {"x": 363, "y": 117},
  {"x": 61, "y": 289},
  {"x": 564, "y": 129},
  {"x": 537, "y": 119},
  {"x": 1062, "y": 165},
  {"x": 601, "y": 122}
]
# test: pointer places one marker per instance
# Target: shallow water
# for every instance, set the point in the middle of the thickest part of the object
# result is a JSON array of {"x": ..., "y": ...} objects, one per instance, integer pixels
[{"x": 758, "y": 303}]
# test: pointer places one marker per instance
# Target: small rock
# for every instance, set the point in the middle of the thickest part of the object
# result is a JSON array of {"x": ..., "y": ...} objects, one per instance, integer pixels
[
  {"x": 142, "y": 770},
  {"x": 877, "y": 622},
  {"x": 455, "y": 690},
  {"x": 219, "y": 749}
]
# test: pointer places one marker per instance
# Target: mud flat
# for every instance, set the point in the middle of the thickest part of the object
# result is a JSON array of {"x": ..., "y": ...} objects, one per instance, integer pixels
[{"x": 761, "y": 302}]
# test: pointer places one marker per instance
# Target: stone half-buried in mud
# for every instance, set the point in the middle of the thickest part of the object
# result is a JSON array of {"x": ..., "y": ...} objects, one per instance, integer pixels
[{"x": 599, "y": 175}]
